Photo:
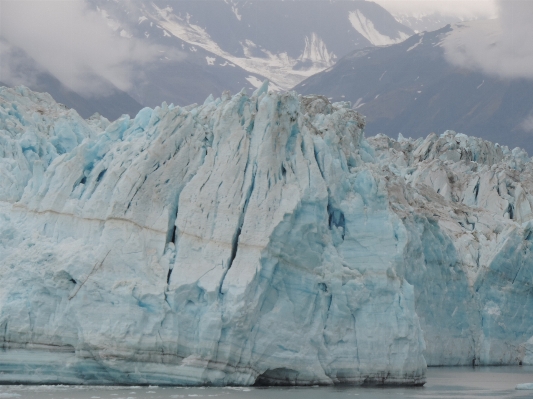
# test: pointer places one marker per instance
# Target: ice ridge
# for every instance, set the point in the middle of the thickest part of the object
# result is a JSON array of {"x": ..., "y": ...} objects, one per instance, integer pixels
[{"x": 254, "y": 239}]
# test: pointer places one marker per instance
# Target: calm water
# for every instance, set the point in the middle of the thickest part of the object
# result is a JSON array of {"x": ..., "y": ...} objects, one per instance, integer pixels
[{"x": 483, "y": 382}]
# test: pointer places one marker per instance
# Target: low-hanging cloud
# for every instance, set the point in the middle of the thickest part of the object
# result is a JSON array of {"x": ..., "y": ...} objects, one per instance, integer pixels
[
  {"x": 460, "y": 9},
  {"x": 70, "y": 41},
  {"x": 527, "y": 124},
  {"x": 502, "y": 47}
]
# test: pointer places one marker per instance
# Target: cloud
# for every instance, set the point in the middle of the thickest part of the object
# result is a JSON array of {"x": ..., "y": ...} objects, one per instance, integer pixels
[
  {"x": 527, "y": 124},
  {"x": 16, "y": 68},
  {"x": 70, "y": 41},
  {"x": 503, "y": 47},
  {"x": 460, "y": 9}
]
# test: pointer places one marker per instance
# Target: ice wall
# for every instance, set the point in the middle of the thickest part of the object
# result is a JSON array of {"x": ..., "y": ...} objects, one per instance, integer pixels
[
  {"x": 236, "y": 242},
  {"x": 467, "y": 208},
  {"x": 255, "y": 239}
]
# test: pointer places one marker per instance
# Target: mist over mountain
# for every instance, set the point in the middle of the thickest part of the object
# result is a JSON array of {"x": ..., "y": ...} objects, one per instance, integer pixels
[
  {"x": 283, "y": 41},
  {"x": 112, "y": 102},
  {"x": 182, "y": 51}
]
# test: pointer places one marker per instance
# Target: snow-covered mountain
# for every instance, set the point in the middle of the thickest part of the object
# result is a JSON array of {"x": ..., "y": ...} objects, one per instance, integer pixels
[
  {"x": 215, "y": 45},
  {"x": 210, "y": 46},
  {"x": 255, "y": 239},
  {"x": 284, "y": 41},
  {"x": 412, "y": 88}
]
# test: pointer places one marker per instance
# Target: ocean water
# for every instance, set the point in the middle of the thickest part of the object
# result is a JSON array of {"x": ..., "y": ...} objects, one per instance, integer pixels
[{"x": 442, "y": 382}]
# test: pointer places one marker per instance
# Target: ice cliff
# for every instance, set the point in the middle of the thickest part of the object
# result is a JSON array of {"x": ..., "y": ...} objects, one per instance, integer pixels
[{"x": 254, "y": 239}]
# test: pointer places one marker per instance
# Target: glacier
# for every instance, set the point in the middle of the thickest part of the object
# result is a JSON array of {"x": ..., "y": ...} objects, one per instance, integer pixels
[{"x": 255, "y": 239}]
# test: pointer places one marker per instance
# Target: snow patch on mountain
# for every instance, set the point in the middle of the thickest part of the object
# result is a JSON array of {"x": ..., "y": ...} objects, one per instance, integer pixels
[
  {"x": 254, "y": 81},
  {"x": 277, "y": 67},
  {"x": 416, "y": 44},
  {"x": 315, "y": 51},
  {"x": 366, "y": 27},
  {"x": 236, "y": 12}
]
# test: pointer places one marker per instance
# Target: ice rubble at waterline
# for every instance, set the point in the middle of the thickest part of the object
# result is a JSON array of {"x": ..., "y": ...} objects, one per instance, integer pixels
[{"x": 254, "y": 239}]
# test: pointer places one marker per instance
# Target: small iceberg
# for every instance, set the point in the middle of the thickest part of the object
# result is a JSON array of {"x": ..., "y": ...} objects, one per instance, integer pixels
[{"x": 525, "y": 387}]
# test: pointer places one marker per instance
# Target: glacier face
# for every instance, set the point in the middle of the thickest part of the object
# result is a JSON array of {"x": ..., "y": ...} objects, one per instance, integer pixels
[
  {"x": 467, "y": 207},
  {"x": 254, "y": 239}
]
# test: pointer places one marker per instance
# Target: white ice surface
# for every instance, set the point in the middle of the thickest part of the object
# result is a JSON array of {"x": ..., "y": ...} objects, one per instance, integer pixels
[
  {"x": 255, "y": 238},
  {"x": 525, "y": 387}
]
